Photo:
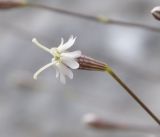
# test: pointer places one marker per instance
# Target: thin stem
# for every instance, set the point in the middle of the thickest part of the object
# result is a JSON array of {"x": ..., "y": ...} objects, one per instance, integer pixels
[
  {"x": 99, "y": 19},
  {"x": 130, "y": 92}
]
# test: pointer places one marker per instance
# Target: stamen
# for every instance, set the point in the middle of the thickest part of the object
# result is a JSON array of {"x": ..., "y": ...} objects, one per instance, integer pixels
[
  {"x": 42, "y": 69},
  {"x": 34, "y": 40}
]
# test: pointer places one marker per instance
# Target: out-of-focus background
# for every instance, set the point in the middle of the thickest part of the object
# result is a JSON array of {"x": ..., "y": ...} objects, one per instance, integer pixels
[{"x": 46, "y": 108}]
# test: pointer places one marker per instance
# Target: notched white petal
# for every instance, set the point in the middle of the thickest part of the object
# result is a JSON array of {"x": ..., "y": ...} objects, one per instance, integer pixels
[
  {"x": 62, "y": 78},
  {"x": 60, "y": 45},
  {"x": 62, "y": 42},
  {"x": 74, "y": 54},
  {"x": 67, "y": 45},
  {"x": 57, "y": 73},
  {"x": 53, "y": 50},
  {"x": 73, "y": 64},
  {"x": 65, "y": 70}
]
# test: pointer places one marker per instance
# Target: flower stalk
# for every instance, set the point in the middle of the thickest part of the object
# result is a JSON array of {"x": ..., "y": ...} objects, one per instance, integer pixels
[
  {"x": 87, "y": 63},
  {"x": 132, "y": 94}
]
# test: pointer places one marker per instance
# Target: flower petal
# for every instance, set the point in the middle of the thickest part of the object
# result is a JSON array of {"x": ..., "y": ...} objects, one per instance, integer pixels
[
  {"x": 62, "y": 42},
  {"x": 74, "y": 54},
  {"x": 55, "y": 67},
  {"x": 62, "y": 78},
  {"x": 42, "y": 69},
  {"x": 65, "y": 70},
  {"x": 53, "y": 49},
  {"x": 66, "y": 45},
  {"x": 57, "y": 73},
  {"x": 70, "y": 62}
]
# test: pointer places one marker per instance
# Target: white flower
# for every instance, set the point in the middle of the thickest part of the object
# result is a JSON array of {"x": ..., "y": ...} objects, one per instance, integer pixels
[{"x": 62, "y": 60}]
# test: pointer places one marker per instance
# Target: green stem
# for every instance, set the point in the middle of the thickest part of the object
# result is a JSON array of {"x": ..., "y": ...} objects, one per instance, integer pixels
[
  {"x": 131, "y": 93},
  {"x": 99, "y": 19}
]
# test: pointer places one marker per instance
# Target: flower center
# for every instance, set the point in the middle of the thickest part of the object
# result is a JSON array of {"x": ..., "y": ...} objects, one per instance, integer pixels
[{"x": 57, "y": 55}]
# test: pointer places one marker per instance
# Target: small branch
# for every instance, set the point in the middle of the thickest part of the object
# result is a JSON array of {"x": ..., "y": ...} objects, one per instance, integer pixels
[
  {"x": 99, "y": 19},
  {"x": 131, "y": 93}
]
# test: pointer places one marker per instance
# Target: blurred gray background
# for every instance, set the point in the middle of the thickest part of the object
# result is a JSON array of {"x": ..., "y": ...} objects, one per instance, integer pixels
[{"x": 47, "y": 108}]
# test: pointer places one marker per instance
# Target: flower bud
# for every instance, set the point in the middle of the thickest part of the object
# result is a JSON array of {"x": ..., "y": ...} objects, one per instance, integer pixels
[
  {"x": 94, "y": 121},
  {"x": 156, "y": 12},
  {"x": 11, "y": 4},
  {"x": 87, "y": 63}
]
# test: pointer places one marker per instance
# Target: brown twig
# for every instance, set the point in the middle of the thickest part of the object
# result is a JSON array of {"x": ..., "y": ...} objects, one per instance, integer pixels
[{"x": 99, "y": 19}]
